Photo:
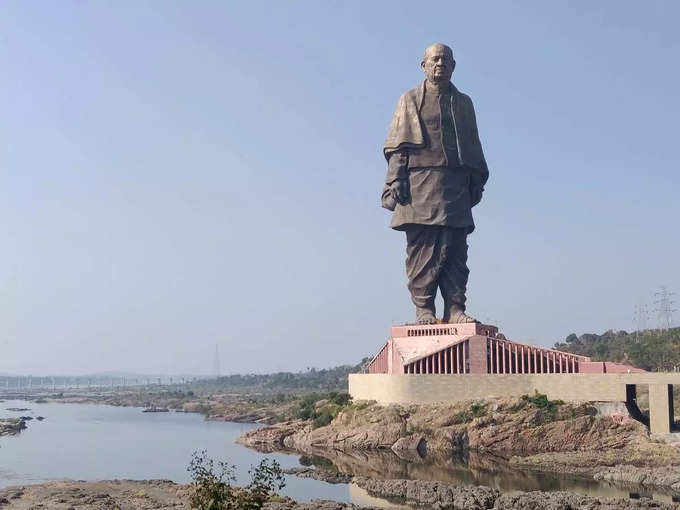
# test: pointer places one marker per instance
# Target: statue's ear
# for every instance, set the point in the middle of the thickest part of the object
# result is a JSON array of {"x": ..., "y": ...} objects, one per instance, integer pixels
[
  {"x": 422, "y": 65},
  {"x": 454, "y": 66}
]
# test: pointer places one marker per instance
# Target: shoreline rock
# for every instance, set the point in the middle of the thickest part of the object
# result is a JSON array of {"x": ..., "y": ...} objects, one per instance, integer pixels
[
  {"x": 543, "y": 437},
  {"x": 127, "y": 494},
  {"x": 166, "y": 495},
  {"x": 11, "y": 426},
  {"x": 471, "y": 497}
]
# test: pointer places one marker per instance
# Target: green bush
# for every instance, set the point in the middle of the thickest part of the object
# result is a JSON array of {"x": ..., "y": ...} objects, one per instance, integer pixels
[
  {"x": 462, "y": 417},
  {"x": 323, "y": 419},
  {"x": 547, "y": 406},
  {"x": 478, "y": 410},
  {"x": 211, "y": 484},
  {"x": 210, "y": 489},
  {"x": 307, "y": 409}
]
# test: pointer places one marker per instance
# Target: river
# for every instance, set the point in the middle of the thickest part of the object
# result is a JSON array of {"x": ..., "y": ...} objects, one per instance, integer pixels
[{"x": 99, "y": 442}]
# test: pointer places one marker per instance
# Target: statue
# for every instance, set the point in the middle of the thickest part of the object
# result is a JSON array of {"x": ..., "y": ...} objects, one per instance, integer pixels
[{"x": 436, "y": 175}]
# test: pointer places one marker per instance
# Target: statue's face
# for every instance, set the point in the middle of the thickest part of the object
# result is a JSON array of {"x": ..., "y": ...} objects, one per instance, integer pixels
[{"x": 438, "y": 63}]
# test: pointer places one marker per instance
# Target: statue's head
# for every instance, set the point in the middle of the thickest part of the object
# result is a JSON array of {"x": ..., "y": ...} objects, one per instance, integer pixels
[{"x": 438, "y": 63}]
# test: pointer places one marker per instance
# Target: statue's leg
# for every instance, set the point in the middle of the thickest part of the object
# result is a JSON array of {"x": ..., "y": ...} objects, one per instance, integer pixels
[
  {"x": 454, "y": 275},
  {"x": 422, "y": 269}
]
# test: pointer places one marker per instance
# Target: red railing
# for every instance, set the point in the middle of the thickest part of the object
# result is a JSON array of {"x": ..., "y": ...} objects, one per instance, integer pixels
[
  {"x": 452, "y": 360},
  {"x": 380, "y": 363},
  {"x": 505, "y": 357}
]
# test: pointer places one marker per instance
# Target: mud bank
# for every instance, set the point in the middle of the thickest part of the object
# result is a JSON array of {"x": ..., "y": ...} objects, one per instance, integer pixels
[
  {"x": 165, "y": 495},
  {"x": 124, "y": 495},
  {"x": 239, "y": 408}
]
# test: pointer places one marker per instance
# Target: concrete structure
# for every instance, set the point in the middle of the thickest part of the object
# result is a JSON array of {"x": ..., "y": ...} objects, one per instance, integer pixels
[
  {"x": 452, "y": 362},
  {"x": 473, "y": 348}
]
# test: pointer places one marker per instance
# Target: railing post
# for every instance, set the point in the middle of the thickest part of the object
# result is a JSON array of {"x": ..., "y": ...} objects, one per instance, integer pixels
[{"x": 478, "y": 355}]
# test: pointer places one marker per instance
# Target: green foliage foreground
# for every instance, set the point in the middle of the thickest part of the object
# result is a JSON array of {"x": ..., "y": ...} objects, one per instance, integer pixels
[{"x": 211, "y": 487}]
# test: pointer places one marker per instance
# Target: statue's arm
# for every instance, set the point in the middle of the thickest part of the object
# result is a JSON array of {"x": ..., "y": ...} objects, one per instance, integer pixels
[
  {"x": 396, "y": 188},
  {"x": 397, "y": 166},
  {"x": 480, "y": 174},
  {"x": 478, "y": 178}
]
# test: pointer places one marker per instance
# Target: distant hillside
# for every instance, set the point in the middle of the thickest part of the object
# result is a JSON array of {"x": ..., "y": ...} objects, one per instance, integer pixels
[
  {"x": 328, "y": 379},
  {"x": 652, "y": 350}
]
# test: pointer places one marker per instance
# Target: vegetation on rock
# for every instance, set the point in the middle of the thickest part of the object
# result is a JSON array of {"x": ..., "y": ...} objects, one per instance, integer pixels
[{"x": 322, "y": 408}]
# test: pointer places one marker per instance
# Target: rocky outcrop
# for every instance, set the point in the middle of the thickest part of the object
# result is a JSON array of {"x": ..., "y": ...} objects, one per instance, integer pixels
[
  {"x": 533, "y": 434},
  {"x": 272, "y": 438},
  {"x": 432, "y": 494},
  {"x": 319, "y": 474},
  {"x": 12, "y": 426},
  {"x": 469, "y": 497},
  {"x": 514, "y": 427}
]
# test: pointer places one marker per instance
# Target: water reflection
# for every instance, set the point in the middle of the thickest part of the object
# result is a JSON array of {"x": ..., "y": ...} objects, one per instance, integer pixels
[{"x": 474, "y": 469}]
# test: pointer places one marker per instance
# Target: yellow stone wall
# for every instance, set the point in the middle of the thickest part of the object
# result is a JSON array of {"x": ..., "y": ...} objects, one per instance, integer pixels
[{"x": 424, "y": 389}]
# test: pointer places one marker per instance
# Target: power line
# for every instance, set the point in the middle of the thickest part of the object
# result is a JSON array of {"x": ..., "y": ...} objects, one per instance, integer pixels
[{"x": 664, "y": 307}]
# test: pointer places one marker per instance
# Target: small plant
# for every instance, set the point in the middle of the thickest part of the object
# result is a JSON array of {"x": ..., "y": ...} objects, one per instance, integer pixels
[
  {"x": 322, "y": 419},
  {"x": 462, "y": 417},
  {"x": 547, "y": 406},
  {"x": 478, "y": 410},
  {"x": 211, "y": 484},
  {"x": 210, "y": 489},
  {"x": 267, "y": 479}
]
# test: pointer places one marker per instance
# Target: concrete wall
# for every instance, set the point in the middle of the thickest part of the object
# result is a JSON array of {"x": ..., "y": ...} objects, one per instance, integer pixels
[{"x": 424, "y": 389}]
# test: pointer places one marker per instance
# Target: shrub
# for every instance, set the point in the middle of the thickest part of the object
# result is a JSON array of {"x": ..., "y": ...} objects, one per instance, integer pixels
[
  {"x": 266, "y": 480},
  {"x": 541, "y": 401},
  {"x": 462, "y": 417},
  {"x": 307, "y": 409},
  {"x": 211, "y": 484},
  {"x": 478, "y": 410},
  {"x": 210, "y": 489},
  {"x": 323, "y": 419}
]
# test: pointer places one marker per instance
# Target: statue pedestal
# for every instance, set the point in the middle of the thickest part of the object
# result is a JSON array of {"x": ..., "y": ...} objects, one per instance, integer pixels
[{"x": 466, "y": 348}]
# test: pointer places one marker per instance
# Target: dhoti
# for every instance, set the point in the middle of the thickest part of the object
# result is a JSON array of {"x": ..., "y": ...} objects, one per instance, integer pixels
[{"x": 436, "y": 256}]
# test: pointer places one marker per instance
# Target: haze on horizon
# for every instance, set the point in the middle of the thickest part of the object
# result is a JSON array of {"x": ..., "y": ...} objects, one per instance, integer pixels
[{"x": 177, "y": 176}]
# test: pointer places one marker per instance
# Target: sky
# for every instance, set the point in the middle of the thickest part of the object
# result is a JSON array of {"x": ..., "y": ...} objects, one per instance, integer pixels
[{"x": 176, "y": 176}]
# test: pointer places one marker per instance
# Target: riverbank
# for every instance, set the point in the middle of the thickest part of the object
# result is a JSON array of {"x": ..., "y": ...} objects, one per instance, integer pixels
[
  {"x": 529, "y": 433},
  {"x": 127, "y": 494},
  {"x": 263, "y": 408},
  {"x": 166, "y": 495}
]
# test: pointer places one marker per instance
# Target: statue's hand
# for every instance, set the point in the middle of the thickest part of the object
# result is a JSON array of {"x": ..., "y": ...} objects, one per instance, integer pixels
[
  {"x": 476, "y": 195},
  {"x": 400, "y": 191}
]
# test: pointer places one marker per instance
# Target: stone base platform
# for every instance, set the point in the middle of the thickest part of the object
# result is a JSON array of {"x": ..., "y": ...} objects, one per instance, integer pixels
[
  {"x": 432, "y": 388},
  {"x": 470, "y": 348}
]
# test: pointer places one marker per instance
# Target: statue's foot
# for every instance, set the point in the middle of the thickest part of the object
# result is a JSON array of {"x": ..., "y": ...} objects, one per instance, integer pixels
[
  {"x": 460, "y": 317},
  {"x": 425, "y": 316}
]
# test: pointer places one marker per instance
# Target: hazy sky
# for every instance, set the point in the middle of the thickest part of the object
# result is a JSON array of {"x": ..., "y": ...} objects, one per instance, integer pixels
[{"x": 176, "y": 175}]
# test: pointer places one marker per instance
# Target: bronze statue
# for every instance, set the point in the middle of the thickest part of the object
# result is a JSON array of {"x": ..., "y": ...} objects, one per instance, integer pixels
[{"x": 436, "y": 175}]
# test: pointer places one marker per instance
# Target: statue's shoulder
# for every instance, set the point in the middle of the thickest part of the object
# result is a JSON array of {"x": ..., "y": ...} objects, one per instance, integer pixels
[
  {"x": 413, "y": 95},
  {"x": 462, "y": 96}
]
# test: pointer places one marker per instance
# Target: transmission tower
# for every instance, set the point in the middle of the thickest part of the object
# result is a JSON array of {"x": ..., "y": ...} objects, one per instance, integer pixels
[
  {"x": 664, "y": 307},
  {"x": 216, "y": 362}
]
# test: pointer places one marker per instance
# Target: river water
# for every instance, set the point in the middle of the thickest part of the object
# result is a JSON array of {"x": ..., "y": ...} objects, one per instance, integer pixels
[{"x": 98, "y": 442}]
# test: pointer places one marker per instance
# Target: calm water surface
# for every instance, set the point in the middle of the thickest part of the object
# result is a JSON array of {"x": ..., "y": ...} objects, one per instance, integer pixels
[{"x": 98, "y": 442}]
